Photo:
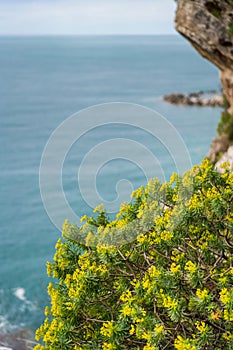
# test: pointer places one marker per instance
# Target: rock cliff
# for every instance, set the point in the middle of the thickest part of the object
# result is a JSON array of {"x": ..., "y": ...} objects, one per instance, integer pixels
[{"x": 208, "y": 25}]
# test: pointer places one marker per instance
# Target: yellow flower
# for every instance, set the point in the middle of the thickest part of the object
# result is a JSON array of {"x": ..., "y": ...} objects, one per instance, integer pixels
[
  {"x": 69, "y": 305},
  {"x": 174, "y": 177},
  {"x": 142, "y": 239},
  {"x": 224, "y": 296},
  {"x": 47, "y": 311},
  {"x": 99, "y": 208},
  {"x": 139, "y": 319},
  {"x": 146, "y": 283},
  {"x": 128, "y": 311},
  {"x": 132, "y": 330},
  {"x": 227, "y": 336},
  {"x": 107, "y": 329},
  {"x": 159, "y": 328},
  {"x": 65, "y": 227},
  {"x": 183, "y": 344},
  {"x": 228, "y": 315},
  {"x": 166, "y": 236},
  {"x": 39, "y": 347},
  {"x": 84, "y": 218},
  {"x": 174, "y": 268},
  {"x": 146, "y": 336},
  {"x": 168, "y": 302},
  {"x": 177, "y": 256},
  {"x": 149, "y": 347},
  {"x": 140, "y": 213},
  {"x": 202, "y": 294},
  {"x": 194, "y": 202},
  {"x": 49, "y": 268},
  {"x": 126, "y": 297},
  {"x": 201, "y": 327},
  {"x": 154, "y": 272},
  {"x": 108, "y": 346},
  {"x": 137, "y": 193},
  {"x": 68, "y": 280},
  {"x": 191, "y": 267}
]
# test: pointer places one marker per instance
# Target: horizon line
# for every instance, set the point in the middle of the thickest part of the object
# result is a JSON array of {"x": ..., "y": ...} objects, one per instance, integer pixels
[{"x": 88, "y": 35}]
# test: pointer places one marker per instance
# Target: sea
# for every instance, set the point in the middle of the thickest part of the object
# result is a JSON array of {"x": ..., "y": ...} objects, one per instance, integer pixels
[{"x": 46, "y": 80}]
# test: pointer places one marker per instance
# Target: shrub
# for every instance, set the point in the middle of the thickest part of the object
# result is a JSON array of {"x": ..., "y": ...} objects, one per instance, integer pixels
[
  {"x": 230, "y": 27},
  {"x": 225, "y": 125},
  {"x": 226, "y": 103},
  {"x": 169, "y": 287}
]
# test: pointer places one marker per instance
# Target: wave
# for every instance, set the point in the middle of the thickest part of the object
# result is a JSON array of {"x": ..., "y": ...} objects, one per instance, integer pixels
[
  {"x": 20, "y": 293},
  {"x": 14, "y": 310}
]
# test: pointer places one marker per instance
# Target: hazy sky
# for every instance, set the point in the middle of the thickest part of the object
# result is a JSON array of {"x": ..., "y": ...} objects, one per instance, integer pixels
[{"x": 29, "y": 17}]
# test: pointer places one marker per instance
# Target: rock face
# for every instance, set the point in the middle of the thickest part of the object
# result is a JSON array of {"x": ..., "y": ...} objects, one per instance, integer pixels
[
  {"x": 208, "y": 25},
  {"x": 226, "y": 158},
  {"x": 22, "y": 340},
  {"x": 226, "y": 76},
  {"x": 219, "y": 146}
]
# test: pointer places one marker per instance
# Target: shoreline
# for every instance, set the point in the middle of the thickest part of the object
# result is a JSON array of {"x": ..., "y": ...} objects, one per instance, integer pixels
[{"x": 19, "y": 340}]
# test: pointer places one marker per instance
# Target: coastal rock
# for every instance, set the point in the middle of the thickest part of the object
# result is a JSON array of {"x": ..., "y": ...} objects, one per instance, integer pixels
[
  {"x": 208, "y": 25},
  {"x": 219, "y": 145},
  {"x": 194, "y": 99},
  {"x": 21, "y": 340},
  {"x": 227, "y": 84},
  {"x": 226, "y": 158}
]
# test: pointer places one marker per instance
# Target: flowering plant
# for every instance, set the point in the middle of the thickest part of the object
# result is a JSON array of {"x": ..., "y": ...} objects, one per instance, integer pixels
[{"x": 171, "y": 287}]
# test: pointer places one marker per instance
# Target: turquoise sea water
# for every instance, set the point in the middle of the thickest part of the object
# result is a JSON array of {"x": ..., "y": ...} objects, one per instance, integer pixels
[{"x": 44, "y": 80}]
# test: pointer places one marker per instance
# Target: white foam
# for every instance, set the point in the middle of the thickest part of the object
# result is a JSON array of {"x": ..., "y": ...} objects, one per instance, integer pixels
[
  {"x": 4, "y": 348},
  {"x": 20, "y": 294},
  {"x": 4, "y": 324}
]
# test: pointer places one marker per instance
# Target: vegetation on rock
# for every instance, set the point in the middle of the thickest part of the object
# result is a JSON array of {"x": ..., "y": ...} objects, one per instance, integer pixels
[{"x": 225, "y": 125}]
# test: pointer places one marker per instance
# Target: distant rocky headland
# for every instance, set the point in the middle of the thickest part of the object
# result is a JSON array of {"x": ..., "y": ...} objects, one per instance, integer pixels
[{"x": 202, "y": 99}]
